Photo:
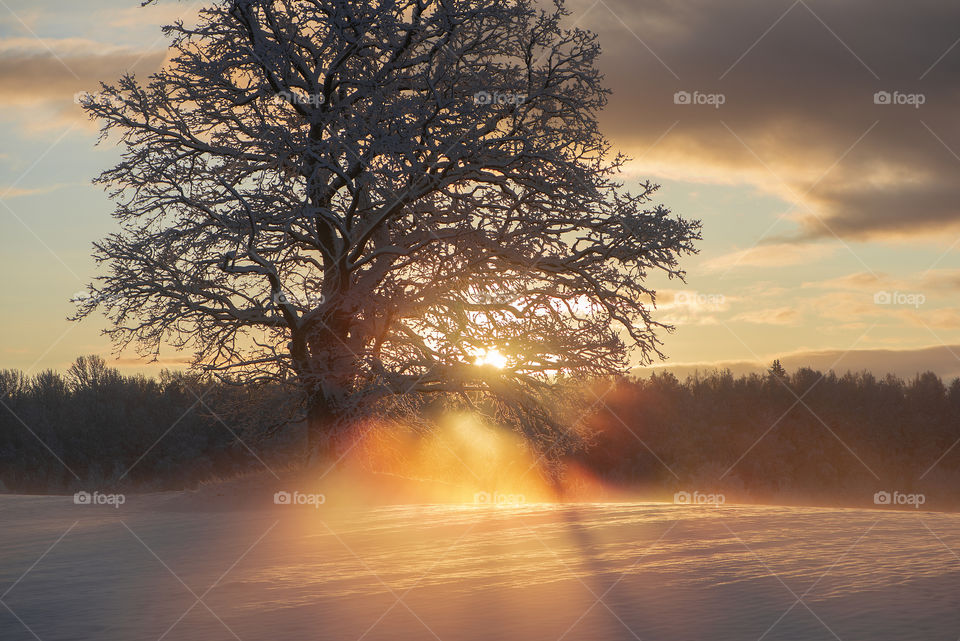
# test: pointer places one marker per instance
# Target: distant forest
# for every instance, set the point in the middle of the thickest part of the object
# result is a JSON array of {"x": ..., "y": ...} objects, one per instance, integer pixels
[
  {"x": 96, "y": 428},
  {"x": 847, "y": 437}
]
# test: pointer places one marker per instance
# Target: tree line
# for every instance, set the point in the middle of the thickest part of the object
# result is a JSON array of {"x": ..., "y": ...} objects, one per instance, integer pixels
[
  {"x": 805, "y": 436},
  {"x": 94, "y": 427}
]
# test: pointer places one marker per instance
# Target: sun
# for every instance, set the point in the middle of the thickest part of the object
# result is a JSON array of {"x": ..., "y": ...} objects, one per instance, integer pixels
[{"x": 491, "y": 357}]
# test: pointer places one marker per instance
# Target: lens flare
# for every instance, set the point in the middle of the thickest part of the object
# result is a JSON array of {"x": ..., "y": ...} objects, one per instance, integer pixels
[
  {"x": 491, "y": 357},
  {"x": 464, "y": 460}
]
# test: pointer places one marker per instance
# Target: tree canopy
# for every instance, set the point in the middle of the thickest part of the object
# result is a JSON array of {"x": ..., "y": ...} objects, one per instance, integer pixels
[{"x": 365, "y": 198}]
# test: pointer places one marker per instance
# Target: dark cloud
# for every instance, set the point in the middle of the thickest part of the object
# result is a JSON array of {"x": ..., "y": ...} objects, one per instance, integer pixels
[
  {"x": 44, "y": 71},
  {"x": 798, "y": 116}
]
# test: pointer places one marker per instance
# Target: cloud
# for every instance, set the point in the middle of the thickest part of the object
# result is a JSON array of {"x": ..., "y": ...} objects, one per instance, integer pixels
[
  {"x": 689, "y": 307},
  {"x": 947, "y": 318},
  {"x": 770, "y": 255},
  {"x": 29, "y": 76},
  {"x": 775, "y": 316},
  {"x": 22, "y": 20},
  {"x": 40, "y": 79},
  {"x": 932, "y": 284},
  {"x": 6, "y": 193},
  {"x": 846, "y": 306},
  {"x": 799, "y": 116},
  {"x": 150, "y": 15},
  {"x": 855, "y": 281}
]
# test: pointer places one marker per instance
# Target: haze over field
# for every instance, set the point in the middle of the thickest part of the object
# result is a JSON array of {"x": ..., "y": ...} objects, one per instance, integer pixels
[{"x": 185, "y": 568}]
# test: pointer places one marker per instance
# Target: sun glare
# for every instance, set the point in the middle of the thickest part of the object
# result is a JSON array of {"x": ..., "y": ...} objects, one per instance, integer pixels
[{"x": 491, "y": 357}]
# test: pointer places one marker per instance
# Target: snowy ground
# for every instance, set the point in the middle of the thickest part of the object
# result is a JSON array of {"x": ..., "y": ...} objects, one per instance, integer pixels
[{"x": 173, "y": 567}]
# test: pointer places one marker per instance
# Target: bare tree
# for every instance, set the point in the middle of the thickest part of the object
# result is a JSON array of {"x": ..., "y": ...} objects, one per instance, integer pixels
[
  {"x": 90, "y": 372},
  {"x": 369, "y": 198}
]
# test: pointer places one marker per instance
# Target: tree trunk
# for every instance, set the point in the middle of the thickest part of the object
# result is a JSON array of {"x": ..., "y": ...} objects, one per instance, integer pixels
[{"x": 323, "y": 419}]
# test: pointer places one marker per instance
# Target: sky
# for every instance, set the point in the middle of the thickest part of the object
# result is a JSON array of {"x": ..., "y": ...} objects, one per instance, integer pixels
[{"x": 817, "y": 141}]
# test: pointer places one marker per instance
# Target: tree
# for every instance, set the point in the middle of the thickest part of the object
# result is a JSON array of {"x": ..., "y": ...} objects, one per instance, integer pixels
[
  {"x": 364, "y": 198},
  {"x": 91, "y": 373},
  {"x": 776, "y": 370}
]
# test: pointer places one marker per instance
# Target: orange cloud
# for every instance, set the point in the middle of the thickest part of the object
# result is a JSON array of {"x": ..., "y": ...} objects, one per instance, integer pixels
[
  {"x": 771, "y": 255},
  {"x": 775, "y": 316}
]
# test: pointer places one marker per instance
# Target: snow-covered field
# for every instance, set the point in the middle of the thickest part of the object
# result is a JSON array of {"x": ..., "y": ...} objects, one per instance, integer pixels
[{"x": 170, "y": 566}]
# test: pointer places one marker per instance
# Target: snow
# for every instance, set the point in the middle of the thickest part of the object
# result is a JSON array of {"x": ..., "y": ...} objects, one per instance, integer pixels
[{"x": 575, "y": 571}]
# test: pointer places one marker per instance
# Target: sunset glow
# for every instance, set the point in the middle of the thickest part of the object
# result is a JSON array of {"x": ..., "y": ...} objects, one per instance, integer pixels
[{"x": 492, "y": 358}]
